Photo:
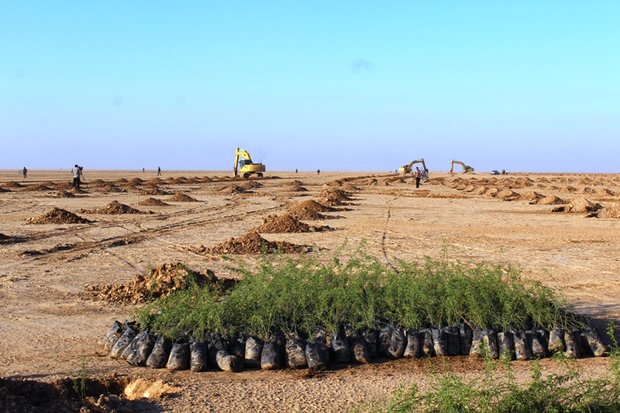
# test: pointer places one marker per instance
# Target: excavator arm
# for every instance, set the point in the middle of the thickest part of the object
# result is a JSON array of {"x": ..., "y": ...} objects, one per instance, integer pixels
[
  {"x": 407, "y": 169},
  {"x": 466, "y": 168}
]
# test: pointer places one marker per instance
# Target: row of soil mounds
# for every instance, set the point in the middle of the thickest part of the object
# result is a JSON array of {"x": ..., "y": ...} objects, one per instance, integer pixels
[
  {"x": 142, "y": 348},
  {"x": 153, "y": 284},
  {"x": 578, "y": 205},
  {"x": 83, "y": 394},
  {"x": 7, "y": 239},
  {"x": 253, "y": 243}
]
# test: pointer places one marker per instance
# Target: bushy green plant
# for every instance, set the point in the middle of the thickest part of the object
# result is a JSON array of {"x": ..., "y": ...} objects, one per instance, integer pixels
[{"x": 297, "y": 296}]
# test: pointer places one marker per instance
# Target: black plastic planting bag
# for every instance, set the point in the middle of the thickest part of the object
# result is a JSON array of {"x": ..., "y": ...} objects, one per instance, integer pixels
[
  {"x": 272, "y": 356},
  {"x": 253, "y": 351},
  {"x": 414, "y": 346},
  {"x": 398, "y": 343},
  {"x": 489, "y": 338},
  {"x": 128, "y": 335},
  {"x": 573, "y": 347},
  {"x": 371, "y": 337},
  {"x": 295, "y": 353},
  {"x": 439, "y": 342},
  {"x": 556, "y": 340},
  {"x": 228, "y": 362},
  {"x": 114, "y": 333},
  {"x": 339, "y": 348},
  {"x": 523, "y": 349},
  {"x": 197, "y": 355},
  {"x": 476, "y": 343},
  {"x": 214, "y": 344},
  {"x": 359, "y": 349},
  {"x": 317, "y": 355},
  {"x": 237, "y": 347},
  {"x": 506, "y": 345},
  {"x": 159, "y": 355},
  {"x": 539, "y": 349},
  {"x": 385, "y": 339},
  {"x": 594, "y": 341},
  {"x": 179, "y": 355},
  {"x": 427, "y": 343},
  {"x": 465, "y": 339},
  {"x": 139, "y": 349},
  {"x": 452, "y": 340}
]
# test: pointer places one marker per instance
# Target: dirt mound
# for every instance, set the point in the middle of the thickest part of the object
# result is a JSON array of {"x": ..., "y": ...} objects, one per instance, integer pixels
[
  {"x": 350, "y": 187},
  {"x": 205, "y": 179},
  {"x": 606, "y": 192},
  {"x": 580, "y": 205},
  {"x": 310, "y": 210},
  {"x": 253, "y": 243},
  {"x": 609, "y": 212},
  {"x": 12, "y": 184},
  {"x": 109, "y": 188},
  {"x": 135, "y": 182},
  {"x": 154, "y": 190},
  {"x": 154, "y": 283},
  {"x": 98, "y": 182},
  {"x": 64, "y": 194},
  {"x": 550, "y": 200},
  {"x": 58, "y": 216},
  {"x": 181, "y": 197},
  {"x": 252, "y": 184},
  {"x": 492, "y": 191},
  {"x": 40, "y": 187},
  {"x": 507, "y": 195},
  {"x": 121, "y": 181},
  {"x": 4, "y": 190},
  {"x": 588, "y": 190},
  {"x": 296, "y": 186},
  {"x": 282, "y": 223},
  {"x": 232, "y": 189},
  {"x": 113, "y": 208},
  {"x": 531, "y": 196},
  {"x": 180, "y": 180},
  {"x": 480, "y": 190},
  {"x": 153, "y": 202}
]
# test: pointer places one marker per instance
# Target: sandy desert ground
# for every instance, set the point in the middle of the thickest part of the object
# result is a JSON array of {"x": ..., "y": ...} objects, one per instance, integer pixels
[{"x": 51, "y": 329}]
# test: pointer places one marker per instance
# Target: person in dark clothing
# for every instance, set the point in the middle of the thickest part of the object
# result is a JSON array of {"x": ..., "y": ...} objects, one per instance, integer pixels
[
  {"x": 25, "y": 172},
  {"x": 158, "y": 171},
  {"x": 417, "y": 175},
  {"x": 76, "y": 172}
]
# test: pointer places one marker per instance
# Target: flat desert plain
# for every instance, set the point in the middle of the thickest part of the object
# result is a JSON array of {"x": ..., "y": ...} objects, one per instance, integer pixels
[{"x": 51, "y": 327}]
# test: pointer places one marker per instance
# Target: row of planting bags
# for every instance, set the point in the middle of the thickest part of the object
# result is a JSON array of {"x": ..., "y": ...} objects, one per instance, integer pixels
[{"x": 145, "y": 349}]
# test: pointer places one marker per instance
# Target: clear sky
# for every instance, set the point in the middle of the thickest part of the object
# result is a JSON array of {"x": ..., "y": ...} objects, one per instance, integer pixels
[{"x": 336, "y": 85}]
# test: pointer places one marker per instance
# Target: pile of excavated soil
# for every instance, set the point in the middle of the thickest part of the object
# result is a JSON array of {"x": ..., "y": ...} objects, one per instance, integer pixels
[
  {"x": 58, "y": 216},
  {"x": 252, "y": 184},
  {"x": 113, "y": 208},
  {"x": 121, "y": 181},
  {"x": 282, "y": 223},
  {"x": 205, "y": 179},
  {"x": 12, "y": 184},
  {"x": 180, "y": 180},
  {"x": 253, "y": 243},
  {"x": 64, "y": 194},
  {"x": 155, "y": 283},
  {"x": 181, "y": 197},
  {"x": 550, "y": 200},
  {"x": 507, "y": 195},
  {"x": 531, "y": 196},
  {"x": 580, "y": 205},
  {"x": 153, "y": 202},
  {"x": 135, "y": 182},
  {"x": 109, "y": 188},
  {"x": 606, "y": 192},
  {"x": 4, "y": 189},
  {"x": 310, "y": 210},
  {"x": 40, "y": 187},
  {"x": 232, "y": 189},
  {"x": 609, "y": 212},
  {"x": 154, "y": 190},
  {"x": 288, "y": 223}
]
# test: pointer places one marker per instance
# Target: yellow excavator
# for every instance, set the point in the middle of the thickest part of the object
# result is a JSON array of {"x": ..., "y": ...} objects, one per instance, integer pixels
[
  {"x": 466, "y": 168},
  {"x": 245, "y": 166},
  {"x": 407, "y": 169}
]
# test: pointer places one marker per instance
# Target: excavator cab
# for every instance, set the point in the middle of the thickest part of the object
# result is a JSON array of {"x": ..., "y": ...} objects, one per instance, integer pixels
[
  {"x": 243, "y": 165},
  {"x": 407, "y": 169}
]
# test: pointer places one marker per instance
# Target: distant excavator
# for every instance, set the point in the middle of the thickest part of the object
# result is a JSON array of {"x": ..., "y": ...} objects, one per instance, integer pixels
[
  {"x": 466, "y": 168},
  {"x": 245, "y": 166},
  {"x": 407, "y": 169}
]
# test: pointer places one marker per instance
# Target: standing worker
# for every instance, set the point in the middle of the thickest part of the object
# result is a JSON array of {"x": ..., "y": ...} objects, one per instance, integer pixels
[
  {"x": 417, "y": 175},
  {"x": 76, "y": 172},
  {"x": 158, "y": 171},
  {"x": 25, "y": 172}
]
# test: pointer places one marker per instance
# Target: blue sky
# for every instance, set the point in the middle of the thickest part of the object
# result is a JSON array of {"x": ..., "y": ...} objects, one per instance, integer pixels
[{"x": 336, "y": 85}]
